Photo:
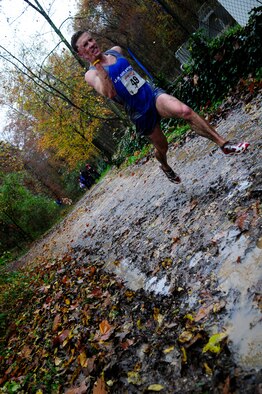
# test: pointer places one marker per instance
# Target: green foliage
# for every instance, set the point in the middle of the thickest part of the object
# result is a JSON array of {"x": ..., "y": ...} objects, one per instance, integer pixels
[
  {"x": 217, "y": 65},
  {"x": 176, "y": 133},
  {"x": 22, "y": 212},
  {"x": 129, "y": 144},
  {"x": 138, "y": 155},
  {"x": 132, "y": 148},
  {"x": 105, "y": 170},
  {"x": 70, "y": 182},
  {"x": 11, "y": 387}
]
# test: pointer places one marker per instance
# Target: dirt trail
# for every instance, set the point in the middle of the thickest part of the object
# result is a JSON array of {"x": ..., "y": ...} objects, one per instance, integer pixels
[{"x": 203, "y": 236}]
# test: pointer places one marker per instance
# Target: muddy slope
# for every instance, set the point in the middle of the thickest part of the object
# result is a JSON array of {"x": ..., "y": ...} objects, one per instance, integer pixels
[{"x": 200, "y": 241}]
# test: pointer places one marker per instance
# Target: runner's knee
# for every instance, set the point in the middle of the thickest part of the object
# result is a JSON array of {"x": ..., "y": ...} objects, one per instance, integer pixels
[{"x": 186, "y": 112}]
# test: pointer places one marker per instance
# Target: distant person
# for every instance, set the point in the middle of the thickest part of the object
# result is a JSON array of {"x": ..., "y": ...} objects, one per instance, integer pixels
[
  {"x": 85, "y": 179},
  {"x": 92, "y": 171},
  {"x": 111, "y": 75}
]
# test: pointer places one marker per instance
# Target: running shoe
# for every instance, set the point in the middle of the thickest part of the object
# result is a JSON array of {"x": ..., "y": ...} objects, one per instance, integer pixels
[
  {"x": 171, "y": 175},
  {"x": 229, "y": 148}
]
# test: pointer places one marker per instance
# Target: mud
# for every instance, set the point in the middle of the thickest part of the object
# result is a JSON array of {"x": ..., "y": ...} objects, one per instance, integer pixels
[{"x": 200, "y": 241}]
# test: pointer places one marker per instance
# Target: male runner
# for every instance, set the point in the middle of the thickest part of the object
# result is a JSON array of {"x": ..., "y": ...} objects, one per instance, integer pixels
[{"x": 111, "y": 75}]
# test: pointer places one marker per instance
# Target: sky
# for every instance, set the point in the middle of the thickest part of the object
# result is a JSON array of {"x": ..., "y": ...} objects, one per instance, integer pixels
[{"x": 19, "y": 23}]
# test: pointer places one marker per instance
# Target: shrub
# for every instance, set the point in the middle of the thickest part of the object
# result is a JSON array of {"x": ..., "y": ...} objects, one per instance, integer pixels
[
  {"x": 25, "y": 214},
  {"x": 217, "y": 65},
  {"x": 128, "y": 145}
]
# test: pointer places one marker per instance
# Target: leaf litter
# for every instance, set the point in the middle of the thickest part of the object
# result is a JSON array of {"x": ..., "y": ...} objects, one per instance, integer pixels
[{"x": 89, "y": 333}]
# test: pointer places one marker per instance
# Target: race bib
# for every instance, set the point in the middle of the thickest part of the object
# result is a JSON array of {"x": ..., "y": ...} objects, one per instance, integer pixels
[{"x": 132, "y": 81}]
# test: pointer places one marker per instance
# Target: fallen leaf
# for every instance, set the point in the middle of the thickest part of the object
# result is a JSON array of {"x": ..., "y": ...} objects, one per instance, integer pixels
[
  {"x": 129, "y": 294},
  {"x": 169, "y": 349},
  {"x": 226, "y": 388},
  {"x": 166, "y": 263},
  {"x": 82, "y": 359},
  {"x": 193, "y": 204},
  {"x": 100, "y": 386},
  {"x": 208, "y": 369},
  {"x": 155, "y": 387},
  {"x": 92, "y": 271},
  {"x": 213, "y": 344},
  {"x": 134, "y": 378},
  {"x": 157, "y": 316},
  {"x": 183, "y": 355},
  {"x": 97, "y": 292},
  {"x": 125, "y": 345},
  {"x": 107, "y": 335},
  {"x": 189, "y": 317},
  {"x": 203, "y": 312},
  {"x": 78, "y": 390},
  {"x": 104, "y": 327},
  {"x": 194, "y": 340},
  {"x": 56, "y": 323},
  {"x": 58, "y": 361},
  {"x": 185, "y": 336}
]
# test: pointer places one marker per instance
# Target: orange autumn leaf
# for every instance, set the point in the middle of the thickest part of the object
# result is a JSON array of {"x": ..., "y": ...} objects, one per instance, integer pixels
[
  {"x": 100, "y": 387},
  {"x": 104, "y": 327}
]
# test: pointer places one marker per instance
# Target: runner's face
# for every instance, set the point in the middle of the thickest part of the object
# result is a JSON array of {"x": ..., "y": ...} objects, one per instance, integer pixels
[{"x": 87, "y": 47}]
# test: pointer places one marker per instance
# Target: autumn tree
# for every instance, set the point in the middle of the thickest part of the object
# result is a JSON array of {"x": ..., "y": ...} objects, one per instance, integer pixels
[
  {"x": 10, "y": 158},
  {"x": 60, "y": 108}
]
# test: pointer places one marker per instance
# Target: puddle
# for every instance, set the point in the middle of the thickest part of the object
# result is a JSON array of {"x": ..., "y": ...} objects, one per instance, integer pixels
[
  {"x": 135, "y": 279},
  {"x": 239, "y": 188},
  {"x": 244, "y": 323},
  {"x": 158, "y": 286},
  {"x": 195, "y": 259}
]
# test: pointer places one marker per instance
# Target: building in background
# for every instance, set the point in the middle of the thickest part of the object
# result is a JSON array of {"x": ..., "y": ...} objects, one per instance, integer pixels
[
  {"x": 240, "y": 9},
  {"x": 214, "y": 16}
]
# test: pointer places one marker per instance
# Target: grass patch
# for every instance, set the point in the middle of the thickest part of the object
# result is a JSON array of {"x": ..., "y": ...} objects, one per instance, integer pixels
[
  {"x": 138, "y": 155},
  {"x": 104, "y": 173},
  {"x": 175, "y": 134}
]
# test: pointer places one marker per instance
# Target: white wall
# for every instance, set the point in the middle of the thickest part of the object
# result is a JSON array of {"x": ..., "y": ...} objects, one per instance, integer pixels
[{"x": 239, "y": 9}]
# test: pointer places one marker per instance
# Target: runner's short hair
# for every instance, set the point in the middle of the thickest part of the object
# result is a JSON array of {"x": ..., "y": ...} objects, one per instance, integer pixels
[{"x": 75, "y": 37}]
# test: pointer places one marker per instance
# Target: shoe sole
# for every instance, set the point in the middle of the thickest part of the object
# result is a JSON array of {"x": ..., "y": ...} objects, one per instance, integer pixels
[
  {"x": 239, "y": 152},
  {"x": 236, "y": 153}
]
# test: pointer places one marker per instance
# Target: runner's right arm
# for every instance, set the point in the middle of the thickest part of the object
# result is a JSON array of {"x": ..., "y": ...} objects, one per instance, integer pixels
[{"x": 100, "y": 81}]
